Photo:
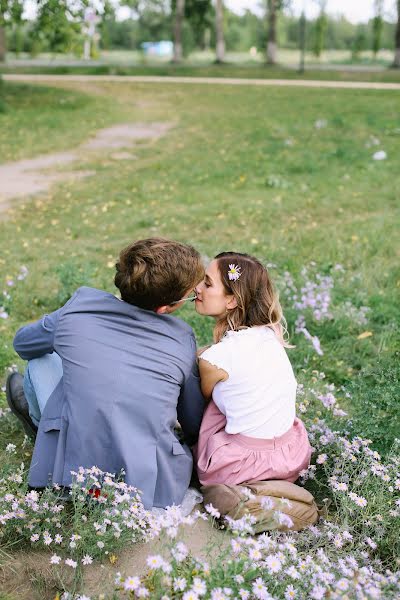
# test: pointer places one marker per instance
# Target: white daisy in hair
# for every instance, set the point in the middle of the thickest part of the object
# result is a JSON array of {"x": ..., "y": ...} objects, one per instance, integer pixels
[{"x": 234, "y": 272}]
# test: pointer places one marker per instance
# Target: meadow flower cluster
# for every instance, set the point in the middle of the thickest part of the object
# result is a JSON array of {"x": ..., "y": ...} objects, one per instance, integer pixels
[
  {"x": 363, "y": 490},
  {"x": 321, "y": 394},
  {"x": 350, "y": 553},
  {"x": 102, "y": 515},
  {"x": 267, "y": 567},
  {"x": 311, "y": 301},
  {"x": 10, "y": 282},
  {"x": 311, "y": 298},
  {"x": 358, "y": 315}
]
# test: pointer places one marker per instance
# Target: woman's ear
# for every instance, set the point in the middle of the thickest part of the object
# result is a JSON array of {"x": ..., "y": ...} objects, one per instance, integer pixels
[{"x": 231, "y": 302}]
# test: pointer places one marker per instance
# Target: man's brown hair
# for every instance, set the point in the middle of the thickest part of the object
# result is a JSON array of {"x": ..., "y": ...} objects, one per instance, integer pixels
[{"x": 157, "y": 272}]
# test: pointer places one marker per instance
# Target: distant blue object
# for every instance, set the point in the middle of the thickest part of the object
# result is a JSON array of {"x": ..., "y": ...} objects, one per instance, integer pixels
[{"x": 164, "y": 48}]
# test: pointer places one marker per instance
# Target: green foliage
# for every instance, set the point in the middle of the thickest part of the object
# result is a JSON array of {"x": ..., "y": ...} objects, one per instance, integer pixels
[
  {"x": 377, "y": 29},
  {"x": 11, "y": 12},
  {"x": 359, "y": 42},
  {"x": 151, "y": 22},
  {"x": 200, "y": 17},
  {"x": 377, "y": 26},
  {"x": 321, "y": 25},
  {"x": 10, "y": 15},
  {"x": 56, "y": 27}
]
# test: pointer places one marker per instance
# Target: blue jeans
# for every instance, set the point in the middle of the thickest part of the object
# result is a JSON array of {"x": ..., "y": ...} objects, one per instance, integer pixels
[{"x": 42, "y": 376}]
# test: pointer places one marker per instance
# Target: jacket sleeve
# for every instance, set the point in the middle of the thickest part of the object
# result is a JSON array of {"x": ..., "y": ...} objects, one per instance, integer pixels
[
  {"x": 36, "y": 339},
  {"x": 191, "y": 402}
]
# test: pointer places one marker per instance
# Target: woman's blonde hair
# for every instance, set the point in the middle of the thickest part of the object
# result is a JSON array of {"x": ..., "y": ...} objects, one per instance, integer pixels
[{"x": 257, "y": 300}]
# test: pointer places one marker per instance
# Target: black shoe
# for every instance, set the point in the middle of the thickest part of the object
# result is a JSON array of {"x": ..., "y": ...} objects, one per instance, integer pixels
[{"x": 18, "y": 404}]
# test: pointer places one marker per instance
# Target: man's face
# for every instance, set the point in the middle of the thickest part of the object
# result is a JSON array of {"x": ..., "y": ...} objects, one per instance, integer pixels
[{"x": 189, "y": 295}]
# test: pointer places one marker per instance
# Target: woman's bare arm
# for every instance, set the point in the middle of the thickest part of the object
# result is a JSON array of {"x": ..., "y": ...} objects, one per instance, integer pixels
[{"x": 210, "y": 375}]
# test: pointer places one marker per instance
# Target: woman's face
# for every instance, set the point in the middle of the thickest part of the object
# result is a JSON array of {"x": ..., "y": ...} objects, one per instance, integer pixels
[{"x": 212, "y": 299}]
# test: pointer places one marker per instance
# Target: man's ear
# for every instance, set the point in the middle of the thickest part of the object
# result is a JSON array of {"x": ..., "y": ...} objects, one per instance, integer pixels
[
  {"x": 161, "y": 310},
  {"x": 231, "y": 303}
]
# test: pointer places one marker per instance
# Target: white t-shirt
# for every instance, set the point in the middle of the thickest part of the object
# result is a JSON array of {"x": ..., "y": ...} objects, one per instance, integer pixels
[{"x": 258, "y": 399}]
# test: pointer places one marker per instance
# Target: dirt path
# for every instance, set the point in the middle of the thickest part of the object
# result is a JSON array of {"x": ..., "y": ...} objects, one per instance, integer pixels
[
  {"x": 31, "y": 176},
  {"x": 29, "y": 575},
  {"x": 311, "y": 83}
]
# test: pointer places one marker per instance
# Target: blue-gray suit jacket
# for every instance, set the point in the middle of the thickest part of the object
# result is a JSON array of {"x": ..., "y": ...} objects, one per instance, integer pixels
[{"x": 129, "y": 374}]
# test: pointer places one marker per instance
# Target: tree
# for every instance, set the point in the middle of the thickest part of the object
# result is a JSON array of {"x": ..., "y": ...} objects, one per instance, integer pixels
[
  {"x": 359, "y": 42},
  {"x": 10, "y": 12},
  {"x": 377, "y": 27},
  {"x": 273, "y": 7},
  {"x": 69, "y": 25},
  {"x": 179, "y": 16},
  {"x": 108, "y": 17},
  {"x": 199, "y": 15},
  {"x": 271, "y": 36},
  {"x": 151, "y": 20},
  {"x": 58, "y": 24},
  {"x": 219, "y": 29},
  {"x": 321, "y": 25},
  {"x": 396, "y": 62}
]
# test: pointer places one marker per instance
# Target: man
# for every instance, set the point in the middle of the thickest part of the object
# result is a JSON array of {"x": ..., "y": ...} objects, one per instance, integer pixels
[{"x": 108, "y": 378}]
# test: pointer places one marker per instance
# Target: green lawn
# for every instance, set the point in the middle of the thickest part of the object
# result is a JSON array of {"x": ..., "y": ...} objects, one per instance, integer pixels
[
  {"x": 256, "y": 70},
  {"x": 283, "y": 173},
  {"x": 37, "y": 120},
  {"x": 286, "y": 174}
]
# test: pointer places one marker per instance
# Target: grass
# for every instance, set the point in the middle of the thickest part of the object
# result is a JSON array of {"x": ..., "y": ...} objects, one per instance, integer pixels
[
  {"x": 285, "y": 174},
  {"x": 36, "y": 120},
  {"x": 285, "y": 56},
  {"x": 250, "y": 71},
  {"x": 209, "y": 181}
]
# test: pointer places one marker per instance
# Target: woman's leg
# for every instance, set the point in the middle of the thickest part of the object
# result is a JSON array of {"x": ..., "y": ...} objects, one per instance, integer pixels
[{"x": 42, "y": 376}]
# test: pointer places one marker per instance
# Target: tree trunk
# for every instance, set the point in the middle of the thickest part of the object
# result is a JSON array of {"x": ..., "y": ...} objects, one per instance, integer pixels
[
  {"x": 219, "y": 28},
  {"x": 3, "y": 46},
  {"x": 396, "y": 62},
  {"x": 179, "y": 15},
  {"x": 271, "y": 39},
  {"x": 86, "y": 49}
]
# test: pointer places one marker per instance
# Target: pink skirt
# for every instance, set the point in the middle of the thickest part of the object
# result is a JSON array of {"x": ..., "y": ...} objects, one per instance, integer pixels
[{"x": 233, "y": 459}]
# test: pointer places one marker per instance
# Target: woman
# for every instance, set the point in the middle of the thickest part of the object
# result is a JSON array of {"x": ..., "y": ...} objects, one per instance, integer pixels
[{"x": 249, "y": 430}]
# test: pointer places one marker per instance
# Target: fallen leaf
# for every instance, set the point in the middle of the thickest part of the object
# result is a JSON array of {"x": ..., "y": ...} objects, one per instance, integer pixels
[{"x": 365, "y": 334}]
